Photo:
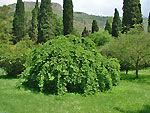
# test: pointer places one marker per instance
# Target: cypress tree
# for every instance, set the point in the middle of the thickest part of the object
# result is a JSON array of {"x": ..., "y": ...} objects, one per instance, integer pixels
[
  {"x": 149, "y": 23},
  {"x": 19, "y": 22},
  {"x": 68, "y": 16},
  {"x": 45, "y": 22},
  {"x": 131, "y": 13},
  {"x": 85, "y": 32},
  {"x": 95, "y": 27},
  {"x": 34, "y": 22},
  {"x": 108, "y": 27},
  {"x": 116, "y": 25}
]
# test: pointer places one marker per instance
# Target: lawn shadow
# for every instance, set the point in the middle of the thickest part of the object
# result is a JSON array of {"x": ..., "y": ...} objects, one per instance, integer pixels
[
  {"x": 7, "y": 77},
  {"x": 51, "y": 90},
  {"x": 146, "y": 109},
  {"x": 132, "y": 78}
]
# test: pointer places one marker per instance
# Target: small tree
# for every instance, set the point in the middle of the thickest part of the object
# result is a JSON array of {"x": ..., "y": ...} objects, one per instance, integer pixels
[
  {"x": 68, "y": 16},
  {"x": 34, "y": 22},
  {"x": 149, "y": 23},
  {"x": 108, "y": 27},
  {"x": 116, "y": 25},
  {"x": 95, "y": 27},
  {"x": 132, "y": 50},
  {"x": 101, "y": 38},
  {"x": 19, "y": 21},
  {"x": 85, "y": 32}
]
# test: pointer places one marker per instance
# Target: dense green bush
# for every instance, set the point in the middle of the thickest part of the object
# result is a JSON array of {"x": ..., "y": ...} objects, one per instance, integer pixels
[
  {"x": 12, "y": 57},
  {"x": 69, "y": 64},
  {"x": 101, "y": 38},
  {"x": 113, "y": 69}
]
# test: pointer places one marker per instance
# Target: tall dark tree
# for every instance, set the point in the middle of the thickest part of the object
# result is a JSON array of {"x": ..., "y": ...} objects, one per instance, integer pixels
[
  {"x": 116, "y": 25},
  {"x": 34, "y": 28},
  {"x": 19, "y": 21},
  {"x": 85, "y": 32},
  {"x": 95, "y": 27},
  {"x": 108, "y": 27},
  {"x": 45, "y": 22},
  {"x": 131, "y": 13},
  {"x": 68, "y": 16},
  {"x": 149, "y": 23}
]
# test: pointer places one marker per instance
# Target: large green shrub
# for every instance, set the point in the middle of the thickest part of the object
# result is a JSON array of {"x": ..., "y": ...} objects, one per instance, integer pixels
[
  {"x": 69, "y": 64},
  {"x": 101, "y": 38},
  {"x": 12, "y": 57}
]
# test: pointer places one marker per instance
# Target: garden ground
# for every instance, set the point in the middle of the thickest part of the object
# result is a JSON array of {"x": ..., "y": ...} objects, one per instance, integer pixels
[{"x": 131, "y": 96}]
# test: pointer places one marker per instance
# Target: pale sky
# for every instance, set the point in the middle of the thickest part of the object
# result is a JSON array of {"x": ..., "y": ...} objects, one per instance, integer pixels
[{"x": 95, "y": 7}]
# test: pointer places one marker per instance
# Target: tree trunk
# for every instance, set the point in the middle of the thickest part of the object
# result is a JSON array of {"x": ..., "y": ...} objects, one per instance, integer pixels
[
  {"x": 137, "y": 69},
  {"x": 127, "y": 71}
]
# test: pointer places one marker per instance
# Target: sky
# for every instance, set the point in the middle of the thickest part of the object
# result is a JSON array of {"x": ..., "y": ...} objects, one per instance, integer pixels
[{"x": 95, "y": 7}]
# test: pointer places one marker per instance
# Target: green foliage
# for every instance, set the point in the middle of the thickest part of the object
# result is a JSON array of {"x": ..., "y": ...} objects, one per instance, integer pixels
[
  {"x": 101, "y": 38},
  {"x": 5, "y": 24},
  {"x": 34, "y": 22},
  {"x": 12, "y": 57},
  {"x": 45, "y": 22},
  {"x": 85, "y": 33},
  {"x": 70, "y": 64},
  {"x": 132, "y": 50},
  {"x": 76, "y": 32},
  {"x": 95, "y": 27},
  {"x": 131, "y": 14},
  {"x": 108, "y": 27},
  {"x": 149, "y": 23},
  {"x": 19, "y": 22},
  {"x": 113, "y": 68},
  {"x": 58, "y": 26},
  {"x": 68, "y": 16},
  {"x": 116, "y": 25}
]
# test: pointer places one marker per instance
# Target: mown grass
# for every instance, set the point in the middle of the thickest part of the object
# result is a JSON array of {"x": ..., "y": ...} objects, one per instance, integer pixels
[{"x": 131, "y": 96}]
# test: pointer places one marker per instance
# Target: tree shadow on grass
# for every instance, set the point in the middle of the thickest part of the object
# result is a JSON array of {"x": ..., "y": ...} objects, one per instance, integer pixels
[
  {"x": 146, "y": 109},
  {"x": 7, "y": 77},
  {"x": 131, "y": 78}
]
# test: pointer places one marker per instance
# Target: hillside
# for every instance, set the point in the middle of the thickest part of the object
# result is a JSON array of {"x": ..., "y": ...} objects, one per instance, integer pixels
[{"x": 80, "y": 19}]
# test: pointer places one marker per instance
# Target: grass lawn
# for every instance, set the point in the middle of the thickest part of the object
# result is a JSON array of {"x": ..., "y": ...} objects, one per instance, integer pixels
[{"x": 131, "y": 96}]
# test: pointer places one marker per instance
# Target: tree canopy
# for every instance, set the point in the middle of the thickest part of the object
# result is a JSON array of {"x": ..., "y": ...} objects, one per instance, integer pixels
[
  {"x": 116, "y": 25},
  {"x": 68, "y": 16},
  {"x": 45, "y": 22},
  {"x": 131, "y": 14},
  {"x": 95, "y": 27},
  {"x": 19, "y": 22}
]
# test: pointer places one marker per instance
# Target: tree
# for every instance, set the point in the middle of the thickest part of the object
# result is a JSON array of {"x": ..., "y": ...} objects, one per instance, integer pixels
[
  {"x": 85, "y": 32},
  {"x": 131, "y": 14},
  {"x": 58, "y": 26},
  {"x": 95, "y": 27},
  {"x": 19, "y": 21},
  {"x": 132, "y": 50},
  {"x": 100, "y": 38},
  {"x": 116, "y": 25},
  {"x": 108, "y": 27},
  {"x": 34, "y": 28},
  {"x": 149, "y": 23},
  {"x": 45, "y": 23},
  {"x": 68, "y": 16},
  {"x": 5, "y": 24}
]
